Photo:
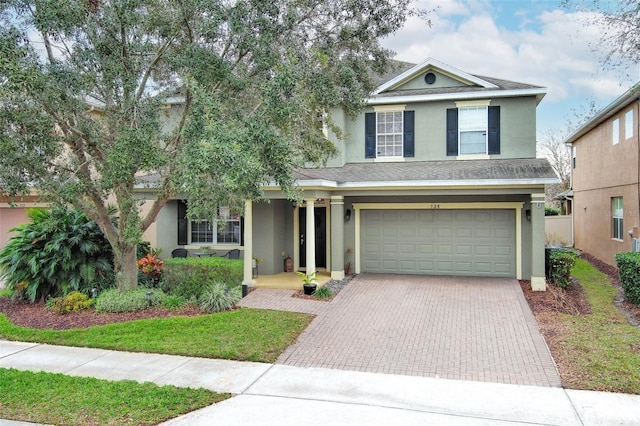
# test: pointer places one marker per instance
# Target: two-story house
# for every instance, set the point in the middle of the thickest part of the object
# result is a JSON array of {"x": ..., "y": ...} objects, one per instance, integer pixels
[
  {"x": 605, "y": 179},
  {"x": 437, "y": 176}
]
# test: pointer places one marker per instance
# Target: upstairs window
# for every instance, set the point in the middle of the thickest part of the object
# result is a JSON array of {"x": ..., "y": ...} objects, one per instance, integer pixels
[
  {"x": 615, "y": 134},
  {"x": 473, "y": 130},
  {"x": 628, "y": 124},
  {"x": 617, "y": 215},
  {"x": 389, "y": 133}
]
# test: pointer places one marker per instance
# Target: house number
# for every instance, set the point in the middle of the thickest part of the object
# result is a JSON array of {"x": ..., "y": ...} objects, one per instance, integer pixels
[{"x": 435, "y": 206}]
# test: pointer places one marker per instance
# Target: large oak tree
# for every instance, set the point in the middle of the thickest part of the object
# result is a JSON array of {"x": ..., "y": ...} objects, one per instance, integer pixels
[{"x": 203, "y": 98}]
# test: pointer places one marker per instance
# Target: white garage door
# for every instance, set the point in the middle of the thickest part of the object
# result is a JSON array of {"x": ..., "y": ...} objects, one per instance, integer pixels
[{"x": 439, "y": 242}]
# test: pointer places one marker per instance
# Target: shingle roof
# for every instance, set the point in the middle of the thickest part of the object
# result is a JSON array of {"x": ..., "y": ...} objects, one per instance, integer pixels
[
  {"x": 451, "y": 171},
  {"x": 502, "y": 85}
]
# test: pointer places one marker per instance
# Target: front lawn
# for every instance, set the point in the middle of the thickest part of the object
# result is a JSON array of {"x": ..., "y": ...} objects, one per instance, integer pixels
[
  {"x": 58, "y": 399},
  {"x": 599, "y": 351},
  {"x": 243, "y": 334}
]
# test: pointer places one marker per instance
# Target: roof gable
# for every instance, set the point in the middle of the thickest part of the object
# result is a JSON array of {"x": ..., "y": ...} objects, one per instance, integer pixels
[{"x": 445, "y": 75}]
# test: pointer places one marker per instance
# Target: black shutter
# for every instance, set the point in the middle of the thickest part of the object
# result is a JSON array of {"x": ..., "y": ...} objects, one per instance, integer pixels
[
  {"x": 494, "y": 130},
  {"x": 183, "y": 228},
  {"x": 370, "y": 135},
  {"x": 452, "y": 131},
  {"x": 242, "y": 231},
  {"x": 409, "y": 134}
]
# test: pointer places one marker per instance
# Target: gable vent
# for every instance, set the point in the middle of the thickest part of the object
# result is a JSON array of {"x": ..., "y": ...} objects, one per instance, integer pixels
[{"x": 429, "y": 78}]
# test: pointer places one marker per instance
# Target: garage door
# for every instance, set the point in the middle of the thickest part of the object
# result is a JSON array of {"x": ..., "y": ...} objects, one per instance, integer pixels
[{"x": 439, "y": 242}]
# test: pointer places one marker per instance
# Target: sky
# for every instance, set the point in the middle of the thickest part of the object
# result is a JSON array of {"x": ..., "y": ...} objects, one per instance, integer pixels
[{"x": 530, "y": 41}]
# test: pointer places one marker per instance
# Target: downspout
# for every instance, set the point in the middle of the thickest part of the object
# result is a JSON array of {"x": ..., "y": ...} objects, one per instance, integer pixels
[
  {"x": 573, "y": 238},
  {"x": 637, "y": 139}
]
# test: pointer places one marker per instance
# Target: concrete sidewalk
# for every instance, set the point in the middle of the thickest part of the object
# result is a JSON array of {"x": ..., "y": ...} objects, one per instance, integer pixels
[{"x": 277, "y": 394}]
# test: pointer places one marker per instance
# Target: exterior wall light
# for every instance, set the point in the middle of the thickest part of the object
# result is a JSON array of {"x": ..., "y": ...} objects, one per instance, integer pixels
[
  {"x": 347, "y": 215},
  {"x": 527, "y": 213}
]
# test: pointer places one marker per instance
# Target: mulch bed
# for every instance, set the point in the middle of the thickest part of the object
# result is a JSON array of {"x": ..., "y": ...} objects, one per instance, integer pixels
[{"x": 36, "y": 315}]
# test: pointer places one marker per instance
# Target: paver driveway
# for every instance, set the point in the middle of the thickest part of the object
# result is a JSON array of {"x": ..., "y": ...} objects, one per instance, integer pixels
[{"x": 450, "y": 327}]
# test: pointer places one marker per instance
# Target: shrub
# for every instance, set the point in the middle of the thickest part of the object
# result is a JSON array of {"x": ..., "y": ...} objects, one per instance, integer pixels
[
  {"x": 323, "y": 293},
  {"x": 173, "y": 303},
  {"x": 113, "y": 300},
  {"x": 187, "y": 277},
  {"x": 217, "y": 297},
  {"x": 151, "y": 266},
  {"x": 629, "y": 270},
  {"x": 72, "y": 302},
  {"x": 551, "y": 211},
  {"x": 58, "y": 252},
  {"x": 559, "y": 264}
]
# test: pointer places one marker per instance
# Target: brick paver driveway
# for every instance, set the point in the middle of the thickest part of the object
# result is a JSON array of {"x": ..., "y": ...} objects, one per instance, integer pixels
[{"x": 449, "y": 327}]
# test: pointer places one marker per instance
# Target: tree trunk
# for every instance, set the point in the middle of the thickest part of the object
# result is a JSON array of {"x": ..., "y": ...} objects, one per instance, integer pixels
[{"x": 126, "y": 268}]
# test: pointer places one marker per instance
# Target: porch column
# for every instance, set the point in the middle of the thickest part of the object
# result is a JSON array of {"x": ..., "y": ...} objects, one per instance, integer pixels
[
  {"x": 248, "y": 243},
  {"x": 311, "y": 237},
  {"x": 337, "y": 237},
  {"x": 538, "y": 280}
]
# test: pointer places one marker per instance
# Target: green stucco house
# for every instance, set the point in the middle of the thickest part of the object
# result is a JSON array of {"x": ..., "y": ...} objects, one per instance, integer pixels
[{"x": 437, "y": 176}]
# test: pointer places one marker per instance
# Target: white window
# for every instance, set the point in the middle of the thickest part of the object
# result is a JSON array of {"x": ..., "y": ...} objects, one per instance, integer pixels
[
  {"x": 389, "y": 133},
  {"x": 226, "y": 230},
  {"x": 616, "y": 131},
  {"x": 617, "y": 215},
  {"x": 628, "y": 124},
  {"x": 472, "y": 130}
]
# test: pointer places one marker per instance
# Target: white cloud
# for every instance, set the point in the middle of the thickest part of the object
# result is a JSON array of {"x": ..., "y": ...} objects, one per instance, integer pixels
[{"x": 553, "y": 49}]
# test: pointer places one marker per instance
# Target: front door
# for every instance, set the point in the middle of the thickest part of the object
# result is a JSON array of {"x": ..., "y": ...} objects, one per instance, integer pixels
[{"x": 320, "y": 216}]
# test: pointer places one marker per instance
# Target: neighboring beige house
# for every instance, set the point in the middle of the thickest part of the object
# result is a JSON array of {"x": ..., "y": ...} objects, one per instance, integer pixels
[
  {"x": 605, "y": 179},
  {"x": 438, "y": 176},
  {"x": 13, "y": 212}
]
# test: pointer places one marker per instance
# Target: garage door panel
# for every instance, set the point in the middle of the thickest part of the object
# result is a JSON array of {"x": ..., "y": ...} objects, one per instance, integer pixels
[
  {"x": 439, "y": 242},
  {"x": 464, "y": 250},
  {"x": 390, "y": 249},
  {"x": 425, "y": 249}
]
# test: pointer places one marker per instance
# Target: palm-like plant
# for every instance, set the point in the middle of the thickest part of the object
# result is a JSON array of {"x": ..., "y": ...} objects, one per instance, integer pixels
[{"x": 60, "y": 251}]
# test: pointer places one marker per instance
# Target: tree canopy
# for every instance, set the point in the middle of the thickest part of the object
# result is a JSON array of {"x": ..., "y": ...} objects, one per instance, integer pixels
[{"x": 209, "y": 99}]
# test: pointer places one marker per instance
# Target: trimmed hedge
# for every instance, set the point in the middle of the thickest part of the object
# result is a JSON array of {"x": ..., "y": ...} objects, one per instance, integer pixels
[
  {"x": 551, "y": 211},
  {"x": 559, "y": 262},
  {"x": 629, "y": 270},
  {"x": 188, "y": 277}
]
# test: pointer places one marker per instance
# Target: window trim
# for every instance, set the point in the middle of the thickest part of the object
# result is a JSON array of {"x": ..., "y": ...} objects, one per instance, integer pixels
[
  {"x": 628, "y": 124},
  {"x": 619, "y": 236},
  {"x": 484, "y": 129},
  {"x": 393, "y": 134},
  {"x": 215, "y": 232}
]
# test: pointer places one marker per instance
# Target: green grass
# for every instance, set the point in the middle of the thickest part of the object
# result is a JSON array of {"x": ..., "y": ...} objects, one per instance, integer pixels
[
  {"x": 243, "y": 334},
  {"x": 5, "y": 292},
  {"x": 59, "y": 399},
  {"x": 603, "y": 347}
]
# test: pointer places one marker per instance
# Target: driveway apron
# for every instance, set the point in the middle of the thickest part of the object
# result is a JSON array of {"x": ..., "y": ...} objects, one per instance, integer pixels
[{"x": 449, "y": 327}]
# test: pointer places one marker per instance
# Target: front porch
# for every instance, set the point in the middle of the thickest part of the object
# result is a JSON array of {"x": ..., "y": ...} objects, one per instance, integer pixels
[{"x": 287, "y": 280}]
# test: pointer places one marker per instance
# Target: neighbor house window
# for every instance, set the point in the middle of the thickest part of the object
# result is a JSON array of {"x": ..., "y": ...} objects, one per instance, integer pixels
[
  {"x": 615, "y": 136},
  {"x": 389, "y": 133},
  {"x": 226, "y": 230},
  {"x": 617, "y": 215},
  {"x": 628, "y": 124},
  {"x": 573, "y": 156}
]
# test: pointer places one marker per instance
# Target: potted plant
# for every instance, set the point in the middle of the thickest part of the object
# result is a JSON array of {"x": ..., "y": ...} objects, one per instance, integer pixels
[{"x": 309, "y": 283}]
